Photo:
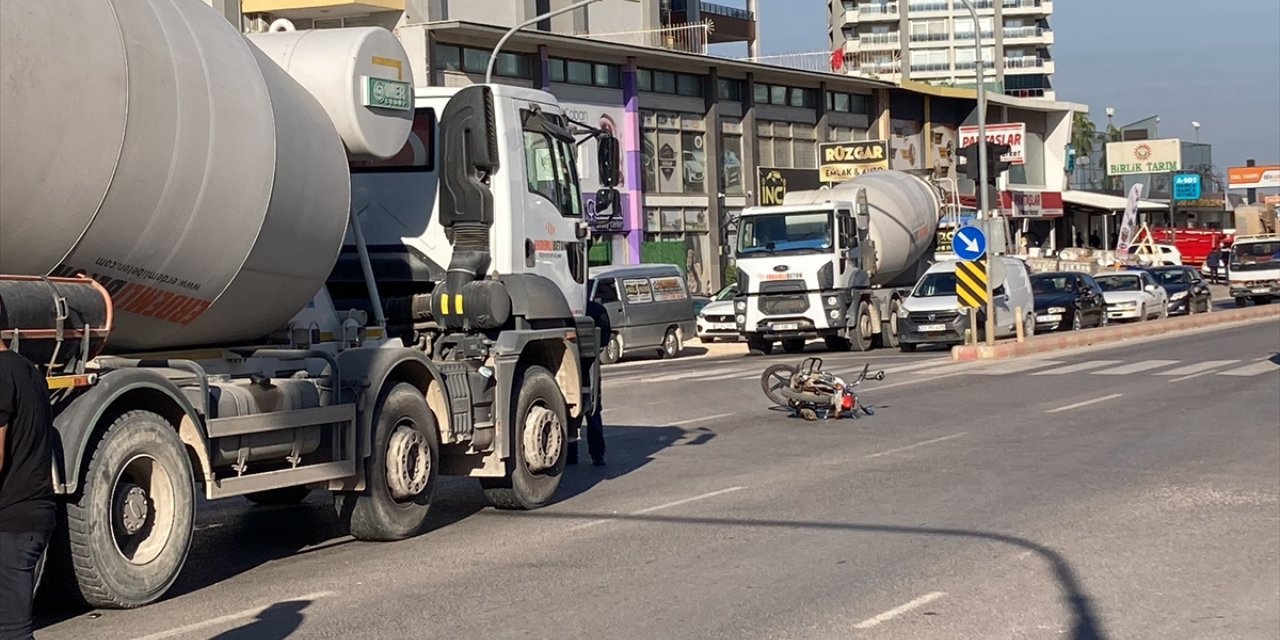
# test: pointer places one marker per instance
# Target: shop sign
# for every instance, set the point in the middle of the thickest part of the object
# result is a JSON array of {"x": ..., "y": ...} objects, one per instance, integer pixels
[
  {"x": 1143, "y": 157},
  {"x": 840, "y": 161}
]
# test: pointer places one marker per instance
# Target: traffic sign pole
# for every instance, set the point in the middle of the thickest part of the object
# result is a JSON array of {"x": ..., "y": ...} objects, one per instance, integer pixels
[{"x": 991, "y": 305}]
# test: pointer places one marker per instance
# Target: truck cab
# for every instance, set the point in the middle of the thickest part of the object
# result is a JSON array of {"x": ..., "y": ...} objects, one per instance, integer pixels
[
  {"x": 797, "y": 267},
  {"x": 1254, "y": 271}
]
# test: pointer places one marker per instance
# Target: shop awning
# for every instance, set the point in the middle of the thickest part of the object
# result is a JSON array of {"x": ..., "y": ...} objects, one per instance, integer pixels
[{"x": 1104, "y": 203}]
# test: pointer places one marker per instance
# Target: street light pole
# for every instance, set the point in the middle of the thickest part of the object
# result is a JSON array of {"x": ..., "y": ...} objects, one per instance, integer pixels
[
  {"x": 493, "y": 56},
  {"x": 983, "y": 197}
]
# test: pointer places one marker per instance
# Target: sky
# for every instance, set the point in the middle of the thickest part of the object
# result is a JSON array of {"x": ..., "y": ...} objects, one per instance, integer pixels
[{"x": 1212, "y": 61}]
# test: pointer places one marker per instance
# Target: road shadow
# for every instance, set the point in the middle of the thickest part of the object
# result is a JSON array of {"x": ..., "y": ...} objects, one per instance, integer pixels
[
  {"x": 276, "y": 622},
  {"x": 628, "y": 448},
  {"x": 655, "y": 354},
  {"x": 1085, "y": 623}
]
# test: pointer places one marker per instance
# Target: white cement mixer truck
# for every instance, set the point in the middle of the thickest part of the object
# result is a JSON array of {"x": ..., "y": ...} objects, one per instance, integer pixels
[
  {"x": 186, "y": 241},
  {"x": 834, "y": 263}
]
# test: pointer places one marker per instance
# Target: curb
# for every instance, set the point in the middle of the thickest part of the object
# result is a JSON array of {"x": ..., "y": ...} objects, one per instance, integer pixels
[{"x": 1089, "y": 337}]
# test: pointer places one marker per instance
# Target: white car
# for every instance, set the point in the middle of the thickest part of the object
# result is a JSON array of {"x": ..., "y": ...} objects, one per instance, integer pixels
[
  {"x": 1133, "y": 295},
  {"x": 1163, "y": 255},
  {"x": 715, "y": 321}
]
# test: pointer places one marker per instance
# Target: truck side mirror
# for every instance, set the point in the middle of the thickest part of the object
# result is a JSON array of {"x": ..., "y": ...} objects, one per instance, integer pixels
[
  {"x": 608, "y": 160},
  {"x": 606, "y": 200}
]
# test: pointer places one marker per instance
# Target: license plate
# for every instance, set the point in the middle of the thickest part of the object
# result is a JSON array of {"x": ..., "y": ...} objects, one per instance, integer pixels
[
  {"x": 1048, "y": 318},
  {"x": 1262, "y": 291},
  {"x": 933, "y": 327},
  {"x": 786, "y": 326}
]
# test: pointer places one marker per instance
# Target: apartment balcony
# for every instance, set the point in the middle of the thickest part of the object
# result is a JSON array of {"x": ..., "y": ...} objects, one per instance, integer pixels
[
  {"x": 1027, "y": 7},
  {"x": 931, "y": 70},
  {"x": 970, "y": 65},
  {"x": 875, "y": 11},
  {"x": 1047, "y": 94},
  {"x": 877, "y": 41},
  {"x": 686, "y": 38},
  {"x": 1028, "y": 35},
  {"x": 925, "y": 38},
  {"x": 319, "y": 9},
  {"x": 1028, "y": 64},
  {"x": 879, "y": 68},
  {"x": 967, "y": 36},
  {"x": 929, "y": 6}
]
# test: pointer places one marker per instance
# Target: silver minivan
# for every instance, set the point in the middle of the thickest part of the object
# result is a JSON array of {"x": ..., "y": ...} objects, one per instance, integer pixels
[
  {"x": 932, "y": 314},
  {"x": 649, "y": 308}
]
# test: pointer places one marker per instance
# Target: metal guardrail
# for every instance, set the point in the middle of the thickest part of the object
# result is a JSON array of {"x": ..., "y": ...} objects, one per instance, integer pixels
[
  {"x": 728, "y": 12},
  {"x": 689, "y": 38}
]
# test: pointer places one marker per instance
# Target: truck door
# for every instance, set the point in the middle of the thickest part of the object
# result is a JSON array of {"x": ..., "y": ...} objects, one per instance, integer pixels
[{"x": 552, "y": 204}]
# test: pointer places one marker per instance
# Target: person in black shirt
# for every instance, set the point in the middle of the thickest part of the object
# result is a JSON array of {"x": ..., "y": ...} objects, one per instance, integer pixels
[
  {"x": 595, "y": 425},
  {"x": 26, "y": 488}
]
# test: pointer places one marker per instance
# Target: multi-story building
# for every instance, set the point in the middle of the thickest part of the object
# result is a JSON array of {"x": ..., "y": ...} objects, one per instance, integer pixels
[{"x": 933, "y": 41}]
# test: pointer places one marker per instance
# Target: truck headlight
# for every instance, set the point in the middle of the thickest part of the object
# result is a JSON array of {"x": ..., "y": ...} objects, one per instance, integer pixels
[
  {"x": 832, "y": 301},
  {"x": 1178, "y": 296},
  {"x": 1056, "y": 310},
  {"x": 740, "y": 305},
  {"x": 834, "y": 314},
  {"x": 740, "y": 319}
]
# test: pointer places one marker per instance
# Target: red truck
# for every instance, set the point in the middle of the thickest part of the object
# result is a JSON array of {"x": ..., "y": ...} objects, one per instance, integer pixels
[{"x": 1193, "y": 244}]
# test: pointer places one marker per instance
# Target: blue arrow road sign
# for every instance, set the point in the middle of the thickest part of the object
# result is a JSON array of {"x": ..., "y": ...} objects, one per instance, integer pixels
[{"x": 969, "y": 243}]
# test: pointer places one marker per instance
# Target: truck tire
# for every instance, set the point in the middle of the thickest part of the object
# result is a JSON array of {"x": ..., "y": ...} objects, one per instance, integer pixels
[
  {"x": 889, "y": 332},
  {"x": 279, "y": 497},
  {"x": 401, "y": 471},
  {"x": 862, "y": 332},
  {"x": 538, "y": 430},
  {"x": 130, "y": 528},
  {"x": 757, "y": 346},
  {"x": 793, "y": 345}
]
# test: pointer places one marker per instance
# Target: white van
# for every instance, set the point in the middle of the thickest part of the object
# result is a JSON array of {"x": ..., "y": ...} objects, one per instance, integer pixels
[{"x": 932, "y": 314}]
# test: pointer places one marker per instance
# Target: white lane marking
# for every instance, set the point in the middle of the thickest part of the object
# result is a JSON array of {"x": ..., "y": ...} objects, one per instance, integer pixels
[
  {"x": 1085, "y": 403},
  {"x": 1252, "y": 369},
  {"x": 1077, "y": 367},
  {"x": 881, "y": 387},
  {"x": 899, "y": 610},
  {"x": 1196, "y": 367},
  {"x": 685, "y": 375},
  {"x": 916, "y": 366},
  {"x": 668, "y": 505},
  {"x": 230, "y": 617},
  {"x": 1145, "y": 365},
  {"x": 702, "y": 419},
  {"x": 1014, "y": 366},
  {"x": 918, "y": 444}
]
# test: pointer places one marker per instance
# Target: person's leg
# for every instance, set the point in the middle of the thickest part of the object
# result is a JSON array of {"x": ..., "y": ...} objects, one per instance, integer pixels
[
  {"x": 19, "y": 555},
  {"x": 595, "y": 437}
]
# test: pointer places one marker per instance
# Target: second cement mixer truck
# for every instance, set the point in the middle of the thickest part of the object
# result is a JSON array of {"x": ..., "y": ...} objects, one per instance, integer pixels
[
  {"x": 185, "y": 239},
  {"x": 834, "y": 263}
]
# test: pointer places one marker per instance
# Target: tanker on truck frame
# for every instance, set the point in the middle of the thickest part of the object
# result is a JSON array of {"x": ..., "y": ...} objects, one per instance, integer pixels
[
  {"x": 191, "y": 270},
  {"x": 834, "y": 263}
]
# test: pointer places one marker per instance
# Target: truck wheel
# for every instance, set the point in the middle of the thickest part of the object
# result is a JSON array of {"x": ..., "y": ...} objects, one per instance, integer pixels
[
  {"x": 130, "y": 528},
  {"x": 535, "y": 468},
  {"x": 889, "y": 334},
  {"x": 612, "y": 350},
  {"x": 400, "y": 473},
  {"x": 774, "y": 380},
  {"x": 863, "y": 332},
  {"x": 671, "y": 345},
  {"x": 279, "y": 497},
  {"x": 793, "y": 345},
  {"x": 759, "y": 346},
  {"x": 1241, "y": 302}
]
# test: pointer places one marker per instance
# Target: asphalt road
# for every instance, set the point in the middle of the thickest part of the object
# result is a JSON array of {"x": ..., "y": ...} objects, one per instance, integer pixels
[{"x": 1131, "y": 491}]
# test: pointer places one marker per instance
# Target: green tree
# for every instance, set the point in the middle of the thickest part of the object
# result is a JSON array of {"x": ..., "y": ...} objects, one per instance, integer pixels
[{"x": 1083, "y": 133}]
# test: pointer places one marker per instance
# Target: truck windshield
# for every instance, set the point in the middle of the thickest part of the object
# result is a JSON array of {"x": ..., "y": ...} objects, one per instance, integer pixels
[
  {"x": 550, "y": 168},
  {"x": 933, "y": 285},
  {"x": 777, "y": 233},
  {"x": 1255, "y": 256}
]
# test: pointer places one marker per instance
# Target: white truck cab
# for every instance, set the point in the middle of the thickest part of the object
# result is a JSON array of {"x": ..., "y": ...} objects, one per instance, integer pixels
[{"x": 1254, "y": 271}]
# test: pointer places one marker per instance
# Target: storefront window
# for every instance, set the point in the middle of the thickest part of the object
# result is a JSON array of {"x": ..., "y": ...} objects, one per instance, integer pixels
[
  {"x": 731, "y": 165},
  {"x": 674, "y": 153}
]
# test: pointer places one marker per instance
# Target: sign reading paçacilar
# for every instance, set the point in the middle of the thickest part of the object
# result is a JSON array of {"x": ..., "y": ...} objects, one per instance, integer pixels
[{"x": 1144, "y": 156}]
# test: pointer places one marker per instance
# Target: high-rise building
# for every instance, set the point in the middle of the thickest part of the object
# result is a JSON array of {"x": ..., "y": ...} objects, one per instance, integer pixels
[{"x": 933, "y": 41}]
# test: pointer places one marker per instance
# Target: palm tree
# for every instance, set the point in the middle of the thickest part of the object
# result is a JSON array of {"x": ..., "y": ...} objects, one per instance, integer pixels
[{"x": 1083, "y": 133}]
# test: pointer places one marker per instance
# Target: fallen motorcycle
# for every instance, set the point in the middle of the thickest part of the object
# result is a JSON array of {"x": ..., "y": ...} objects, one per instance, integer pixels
[{"x": 811, "y": 392}]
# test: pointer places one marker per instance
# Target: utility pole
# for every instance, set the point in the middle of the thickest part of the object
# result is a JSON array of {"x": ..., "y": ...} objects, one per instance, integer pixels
[{"x": 983, "y": 197}]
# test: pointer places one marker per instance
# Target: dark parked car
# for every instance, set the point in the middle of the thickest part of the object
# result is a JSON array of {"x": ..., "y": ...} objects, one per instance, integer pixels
[
  {"x": 1188, "y": 291},
  {"x": 1066, "y": 300}
]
